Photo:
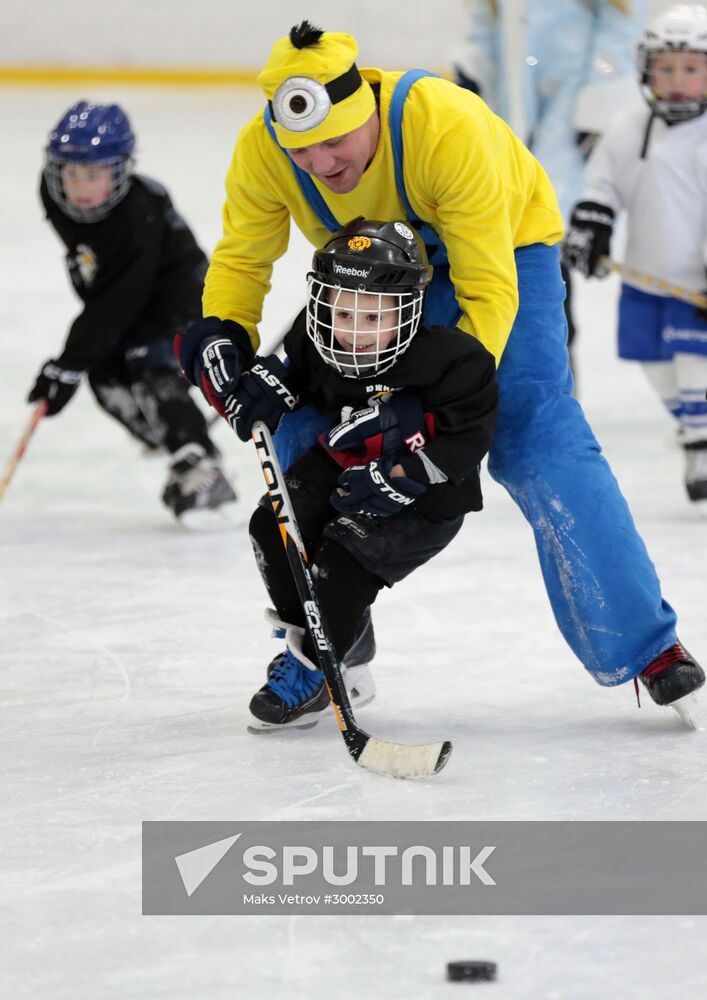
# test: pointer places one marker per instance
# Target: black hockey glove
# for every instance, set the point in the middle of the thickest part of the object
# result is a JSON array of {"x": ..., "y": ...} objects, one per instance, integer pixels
[
  {"x": 585, "y": 142},
  {"x": 212, "y": 354},
  {"x": 588, "y": 239},
  {"x": 701, "y": 311},
  {"x": 370, "y": 489},
  {"x": 387, "y": 429},
  {"x": 467, "y": 82},
  {"x": 55, "y": 384},
  {"x": 262, "y": 394}
]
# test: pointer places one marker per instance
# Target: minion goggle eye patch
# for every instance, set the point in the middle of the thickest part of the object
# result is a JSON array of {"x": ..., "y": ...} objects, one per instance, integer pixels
[{"x": 301, "y": 104}]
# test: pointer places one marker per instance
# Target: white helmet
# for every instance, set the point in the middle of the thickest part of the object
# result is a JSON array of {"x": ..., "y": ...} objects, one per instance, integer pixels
[{"x": 682, "y": 28}]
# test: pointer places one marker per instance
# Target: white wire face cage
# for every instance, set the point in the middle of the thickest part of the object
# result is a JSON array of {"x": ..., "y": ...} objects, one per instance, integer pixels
[
  {"x": 360, "y": 332},
  {"x": 121, "y": 176}
]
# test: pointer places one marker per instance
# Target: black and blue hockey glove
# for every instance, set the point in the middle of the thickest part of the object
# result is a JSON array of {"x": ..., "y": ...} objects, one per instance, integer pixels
[
  {"x": 587, "y": 244},
  {"x": 55, "y": 384},
  {"x": 370, "y": 489},
  {"x": 212, "y": 354},
  {"x": 262, "y": 394},
  {"x": 390, "y": 429}
]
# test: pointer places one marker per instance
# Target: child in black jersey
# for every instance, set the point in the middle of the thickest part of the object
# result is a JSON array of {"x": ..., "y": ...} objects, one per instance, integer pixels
[
  {"x": 138, "y": 270},
  {"x": 408, "y": 414}
]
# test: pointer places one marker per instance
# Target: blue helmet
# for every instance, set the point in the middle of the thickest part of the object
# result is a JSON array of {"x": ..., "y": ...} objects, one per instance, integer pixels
[{"x": 97, "y": 135}]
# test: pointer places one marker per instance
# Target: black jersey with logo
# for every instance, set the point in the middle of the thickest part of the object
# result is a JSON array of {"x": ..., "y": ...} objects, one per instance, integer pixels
[
  {"x": 455, "y": 378},
  {"x": 139, "y": 273}
]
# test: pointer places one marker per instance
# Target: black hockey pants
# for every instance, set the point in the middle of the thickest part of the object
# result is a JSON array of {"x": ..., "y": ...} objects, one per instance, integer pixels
[
  {"x": 353, "y": 556},
  {"x": 143, "y": 389}
]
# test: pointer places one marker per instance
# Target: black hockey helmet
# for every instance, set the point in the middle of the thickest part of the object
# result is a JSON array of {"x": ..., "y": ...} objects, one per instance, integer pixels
[
  {"x": 367, "y": 269},
  {"x": 376, "y": 256}
]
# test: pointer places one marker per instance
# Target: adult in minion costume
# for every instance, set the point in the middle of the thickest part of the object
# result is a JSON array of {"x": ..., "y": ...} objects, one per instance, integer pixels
[{"x": 334, "y": 142}]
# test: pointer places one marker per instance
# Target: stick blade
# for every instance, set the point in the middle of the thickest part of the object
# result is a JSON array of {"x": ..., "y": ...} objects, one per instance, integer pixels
[{"x": 400, "y": 761}]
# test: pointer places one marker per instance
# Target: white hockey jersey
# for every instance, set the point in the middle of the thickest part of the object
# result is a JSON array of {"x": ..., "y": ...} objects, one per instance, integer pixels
[{"x": 664, "y": 193}]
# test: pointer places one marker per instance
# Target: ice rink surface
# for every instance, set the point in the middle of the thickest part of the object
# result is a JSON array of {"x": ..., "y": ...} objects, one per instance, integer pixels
[{"x": 130, "y": 650}]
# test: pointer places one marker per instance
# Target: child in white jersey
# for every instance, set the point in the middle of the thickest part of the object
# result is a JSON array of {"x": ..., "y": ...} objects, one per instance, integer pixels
[{"x": 653, "y": 165}]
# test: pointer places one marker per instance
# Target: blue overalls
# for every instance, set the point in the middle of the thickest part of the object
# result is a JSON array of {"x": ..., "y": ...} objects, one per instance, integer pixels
[{"x": 602, "y": 585}]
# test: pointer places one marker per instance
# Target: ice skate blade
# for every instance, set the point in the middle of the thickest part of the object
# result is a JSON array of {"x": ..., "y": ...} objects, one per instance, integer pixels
[
  {"x": 224, "y": 518},
  {"x": 686, "y": 708},
  {"x": 700, "y": 508},
  {"x": 257, "y": 727}
]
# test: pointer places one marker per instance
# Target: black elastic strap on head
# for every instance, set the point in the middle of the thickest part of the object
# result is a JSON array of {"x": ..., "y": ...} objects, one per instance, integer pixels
[{"x": 339, "y": 89}]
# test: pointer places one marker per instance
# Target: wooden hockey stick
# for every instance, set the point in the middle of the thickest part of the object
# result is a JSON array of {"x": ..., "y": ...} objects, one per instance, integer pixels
[
  {"x": 650, "y": 281},
  {"x": 16, "y": 457},
  {"x": 394, "y": 759}
]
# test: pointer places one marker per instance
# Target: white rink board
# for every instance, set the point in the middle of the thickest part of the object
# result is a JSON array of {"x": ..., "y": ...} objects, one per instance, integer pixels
[
  {"x": 221, "y": 34},
  {"x": 130, "y": 651}
]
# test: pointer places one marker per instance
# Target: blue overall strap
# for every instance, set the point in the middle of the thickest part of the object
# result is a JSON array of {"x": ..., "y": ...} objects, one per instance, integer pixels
[
  {"x": 395, "y": 118},
  {"x": 440, "y": 306},
  {"x": 309, "y": 190}
]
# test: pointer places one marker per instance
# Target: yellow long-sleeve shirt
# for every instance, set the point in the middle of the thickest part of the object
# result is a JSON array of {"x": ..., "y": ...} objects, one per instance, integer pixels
[{"x": 466, "y": 174}]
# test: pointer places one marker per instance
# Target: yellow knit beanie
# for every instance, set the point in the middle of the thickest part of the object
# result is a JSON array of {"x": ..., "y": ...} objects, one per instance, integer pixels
[{"x": 313, "y": 87}]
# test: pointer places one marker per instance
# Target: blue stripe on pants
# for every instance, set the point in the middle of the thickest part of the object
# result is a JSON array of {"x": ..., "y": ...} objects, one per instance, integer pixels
[{"x": 602, "y": 586}]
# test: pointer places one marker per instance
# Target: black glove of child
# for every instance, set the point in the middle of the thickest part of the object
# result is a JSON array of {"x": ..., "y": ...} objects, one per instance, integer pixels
[
  {"x": 262, "y": 394},
  {"x": 370, "y": 489},
  {"x": 588, "y": 239},
  {"x": 390, "y": 429},
  {"x": 212, "y": 354},
  {"x": 55, "y": 384},
  {"x": 701, "y": 311},
  {"x": 585, "y": 142}
]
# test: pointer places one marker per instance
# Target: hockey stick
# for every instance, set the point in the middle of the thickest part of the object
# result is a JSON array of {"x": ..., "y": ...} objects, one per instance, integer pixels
[
  {"x": 394, "y": 759},
  {"x": 650, "y": 281},
  {"x": 16, "y": 457}
]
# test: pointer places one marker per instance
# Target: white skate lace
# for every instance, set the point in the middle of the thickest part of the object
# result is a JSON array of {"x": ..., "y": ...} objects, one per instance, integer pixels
[
  {"x": 200, "y": 479},
  {"x": 193, "y": 471}
]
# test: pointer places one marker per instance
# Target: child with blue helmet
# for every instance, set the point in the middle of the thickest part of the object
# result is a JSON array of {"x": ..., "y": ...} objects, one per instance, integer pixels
[{"x": 139, "y": 271}]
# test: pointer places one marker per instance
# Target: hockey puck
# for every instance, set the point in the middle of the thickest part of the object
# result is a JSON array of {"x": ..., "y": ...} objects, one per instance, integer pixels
[{"x": 471, "y": 972}]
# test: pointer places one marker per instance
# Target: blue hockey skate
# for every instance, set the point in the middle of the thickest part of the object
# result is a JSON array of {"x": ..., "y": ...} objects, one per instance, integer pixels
[
  {"x": 355, "y": 671},
  {"x": 294, "y": 695}
]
